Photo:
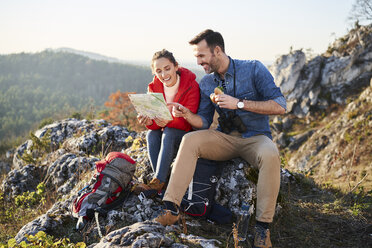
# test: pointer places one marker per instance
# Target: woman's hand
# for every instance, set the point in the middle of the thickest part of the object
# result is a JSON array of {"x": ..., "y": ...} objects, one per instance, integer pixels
[
  {"x": 144, "y": 120},
  {"x": 161, "y": 122}
]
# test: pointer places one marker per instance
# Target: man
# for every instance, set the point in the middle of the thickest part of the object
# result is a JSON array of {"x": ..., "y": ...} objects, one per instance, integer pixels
[{"x": 250, "y": 95}]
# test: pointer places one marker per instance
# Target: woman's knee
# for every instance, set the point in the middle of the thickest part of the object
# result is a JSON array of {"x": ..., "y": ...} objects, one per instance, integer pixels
[
  {"x": 153, "y": 134},
  {"x": 172, "y": 135},
  {"x": 153, "y": 137}
]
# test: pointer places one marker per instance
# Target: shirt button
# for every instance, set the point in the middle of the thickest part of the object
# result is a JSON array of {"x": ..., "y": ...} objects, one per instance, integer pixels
[{"x": 227, "y": 82}]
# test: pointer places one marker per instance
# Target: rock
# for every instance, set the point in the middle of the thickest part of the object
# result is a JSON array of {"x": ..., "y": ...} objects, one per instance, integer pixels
[
  {"x": 287, "y": 123},
  {"x": 4, "y": 167},
  {"x": 326, "y": 78},
  {"x": 17, "y": 158},
  {"x": 65, "y": 171},
  {"x": 9, "y": 154},
  {"x": 299, "y": 139},
  {"x": 281, "y": 140},
  {"x": 42, "y": 223},
  {"x": 141, "y": 234},
  {"x": 304, "y": 87},
  {"x": 205, "y": 243},
  {"x": 78, "y": 136},
  {"x": 21, "y": 180},
  {"x": 286, "y": 70}
]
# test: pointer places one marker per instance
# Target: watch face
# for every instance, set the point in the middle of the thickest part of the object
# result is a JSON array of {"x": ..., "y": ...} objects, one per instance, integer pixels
[{"x": 240, "y": 105}]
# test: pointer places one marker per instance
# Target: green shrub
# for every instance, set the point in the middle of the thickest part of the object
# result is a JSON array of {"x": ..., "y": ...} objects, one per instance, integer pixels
[
  {"x": 29, "y": 199},
  {"x": 41, "y": 239},
  {"x": 77, "y": 116},
  {"x": 40, "y": 146},
  {"x": 45, "y": 122},
  {"x": 348, "y": 138}
]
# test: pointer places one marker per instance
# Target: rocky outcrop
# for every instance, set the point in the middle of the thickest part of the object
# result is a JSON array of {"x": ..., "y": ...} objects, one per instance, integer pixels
[
  {"x": 340, "y": 149},
  {"x": 69, "y": 166},
  {"x": 77, "y": 135},
  {"x": 71, "y": 141},
  {"x": 344, "y": 70}
]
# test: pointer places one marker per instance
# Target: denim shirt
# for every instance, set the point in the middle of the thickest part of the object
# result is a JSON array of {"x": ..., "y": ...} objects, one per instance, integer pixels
[{"x": 252, "y": 82}]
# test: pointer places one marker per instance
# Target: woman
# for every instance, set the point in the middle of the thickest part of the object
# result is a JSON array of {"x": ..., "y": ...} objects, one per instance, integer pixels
[{"x": 163, "y": 138}]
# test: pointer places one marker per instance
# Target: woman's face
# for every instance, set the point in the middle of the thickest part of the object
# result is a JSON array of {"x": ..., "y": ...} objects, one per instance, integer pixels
[{"x": 165, "y": 70}]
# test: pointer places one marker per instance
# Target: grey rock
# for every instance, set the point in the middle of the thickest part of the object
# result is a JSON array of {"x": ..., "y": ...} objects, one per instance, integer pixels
[
  {"x": 299, "y": 139},
  {"x": 141, "y": 234},
  {"x": 42, "y": 223},
  {"x": 286, "y": 70},
  {"x": 21, "y": 180},
  {"x": 281, "y": 140},
  {"x": 17, "y": 158},
  {"x": 9, "y": 154},
  {"x": 65, "y": 173},
  {"x": 326, "y": 78},
  {"x": 4, "y": 167},
  {"x": 287, "y": 123},
  {"x": 203, "y": 242}
]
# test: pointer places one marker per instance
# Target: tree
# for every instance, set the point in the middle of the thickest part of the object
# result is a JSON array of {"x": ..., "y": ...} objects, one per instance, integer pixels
[
  {"x": 121, "y": 111},
  {"x": 361, "y": 11}
]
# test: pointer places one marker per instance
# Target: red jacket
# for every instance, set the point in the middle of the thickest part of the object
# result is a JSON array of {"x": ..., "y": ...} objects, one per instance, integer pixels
[{"x": 188, "y": 95}]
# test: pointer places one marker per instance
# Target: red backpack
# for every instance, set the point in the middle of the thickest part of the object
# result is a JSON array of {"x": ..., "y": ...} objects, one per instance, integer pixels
[{"x": 110, "y": 187}]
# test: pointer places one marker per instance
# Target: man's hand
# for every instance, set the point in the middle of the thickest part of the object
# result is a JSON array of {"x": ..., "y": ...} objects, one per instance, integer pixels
[
  {"x": 144, "y": 120},
  {"x": 178, "y": 110},
  {"x": 226, "y": 101}
]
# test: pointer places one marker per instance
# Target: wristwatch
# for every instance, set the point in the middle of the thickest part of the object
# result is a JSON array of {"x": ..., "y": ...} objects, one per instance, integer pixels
[{"x": 240, "y": 104}]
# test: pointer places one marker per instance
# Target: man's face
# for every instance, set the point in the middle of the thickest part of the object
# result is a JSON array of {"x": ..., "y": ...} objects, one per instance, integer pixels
[{"x": 205, "y": 57}]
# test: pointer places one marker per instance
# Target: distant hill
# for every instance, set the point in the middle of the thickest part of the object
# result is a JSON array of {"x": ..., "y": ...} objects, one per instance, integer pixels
[
  {"x": 41, "y": 85},
  {"x": 192, "y": 65},
  {"x": 90, "y": 55}
]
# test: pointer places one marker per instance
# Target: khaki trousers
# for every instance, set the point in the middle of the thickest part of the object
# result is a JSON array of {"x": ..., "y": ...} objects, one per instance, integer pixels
[{"x": 258, "y": 151}]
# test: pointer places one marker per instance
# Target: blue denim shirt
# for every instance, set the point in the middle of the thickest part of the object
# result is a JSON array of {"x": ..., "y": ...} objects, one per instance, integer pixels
[{"x": 253, "y": 82}]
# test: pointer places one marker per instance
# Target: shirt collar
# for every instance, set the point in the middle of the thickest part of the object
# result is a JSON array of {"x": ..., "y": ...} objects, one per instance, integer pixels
[{"x": 230, "y": 71}]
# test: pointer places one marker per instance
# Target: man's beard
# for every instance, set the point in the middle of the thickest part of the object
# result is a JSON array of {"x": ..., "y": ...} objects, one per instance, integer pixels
[{"x": 212, "y": 65}]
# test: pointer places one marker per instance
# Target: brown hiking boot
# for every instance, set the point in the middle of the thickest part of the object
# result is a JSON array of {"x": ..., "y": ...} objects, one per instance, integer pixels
[
  {"x": 261, "y": 237},
  {"x": 154, "y": 184},
  {"x": 167, "y": 218}
]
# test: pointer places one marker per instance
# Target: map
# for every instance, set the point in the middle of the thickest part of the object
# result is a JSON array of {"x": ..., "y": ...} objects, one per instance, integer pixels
[{"x": 151, "y": 105}]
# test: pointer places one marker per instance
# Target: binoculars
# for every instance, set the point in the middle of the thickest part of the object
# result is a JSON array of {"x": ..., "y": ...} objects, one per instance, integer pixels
[{"x": 230, "y": 121}]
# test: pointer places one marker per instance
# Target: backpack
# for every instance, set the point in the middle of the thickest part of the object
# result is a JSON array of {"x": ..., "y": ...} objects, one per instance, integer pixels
[
  {"x": 199, "y": 197},
  {"x": 109, "y": 189}
]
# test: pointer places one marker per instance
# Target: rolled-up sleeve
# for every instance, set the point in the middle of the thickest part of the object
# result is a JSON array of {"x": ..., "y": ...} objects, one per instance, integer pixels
[
  {"x": 281, "y": 101},
  {"x": 206, "y": 108}
]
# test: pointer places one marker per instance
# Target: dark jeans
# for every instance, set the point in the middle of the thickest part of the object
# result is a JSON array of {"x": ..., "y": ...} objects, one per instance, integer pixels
[{"x": 162, "y": 147}]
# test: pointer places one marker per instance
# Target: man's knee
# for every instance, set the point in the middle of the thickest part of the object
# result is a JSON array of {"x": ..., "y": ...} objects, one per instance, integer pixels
[
  {"x": 268, "y": 155},
  {"x": 189, "y": 139},
  {"x": 193, "y": 140}
]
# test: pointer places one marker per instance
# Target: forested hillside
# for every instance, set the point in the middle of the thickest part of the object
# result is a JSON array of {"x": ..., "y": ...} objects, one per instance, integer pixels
[{"x": 46, "y": 84}]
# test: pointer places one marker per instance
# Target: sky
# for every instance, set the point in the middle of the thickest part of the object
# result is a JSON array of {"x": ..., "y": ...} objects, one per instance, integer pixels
[{"x": 135, "y": 30}]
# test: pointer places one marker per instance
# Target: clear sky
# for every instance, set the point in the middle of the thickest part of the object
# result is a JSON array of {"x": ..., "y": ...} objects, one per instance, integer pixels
[{"x": 135, "y": 29}]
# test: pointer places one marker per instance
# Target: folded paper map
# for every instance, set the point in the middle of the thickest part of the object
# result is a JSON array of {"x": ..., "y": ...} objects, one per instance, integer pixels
[{"x": 151, "y": 105}]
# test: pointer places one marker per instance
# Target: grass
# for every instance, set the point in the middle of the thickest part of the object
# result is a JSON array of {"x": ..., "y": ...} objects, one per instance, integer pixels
[
  {"x": 314, "y": 216},
  {"x": 14, "y": 214}
]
